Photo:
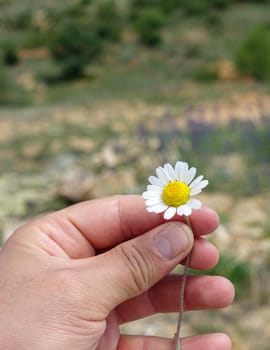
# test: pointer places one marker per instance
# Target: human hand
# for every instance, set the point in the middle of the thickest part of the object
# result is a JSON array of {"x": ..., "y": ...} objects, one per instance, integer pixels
[{"x": 69, "y": 279}]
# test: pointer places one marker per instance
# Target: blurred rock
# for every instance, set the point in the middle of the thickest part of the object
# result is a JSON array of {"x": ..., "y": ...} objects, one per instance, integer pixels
[
  {"x": 248, "y": 217},
  {"x": 221, "y": 202},
  {"x": 109, "y": 156},
  {"x": 114, "y": 182},
  {"x": 75, "y": 185},
  {"x": 221, "y": 238},
  {"x": 28, "y": 82}
]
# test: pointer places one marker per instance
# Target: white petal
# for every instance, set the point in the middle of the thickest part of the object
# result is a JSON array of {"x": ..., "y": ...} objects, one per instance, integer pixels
[
  {"x": 187, "y": 210},
  {"x": 169, "y": 213},
  {"x": 153, "y": 201},
  {"x": 177, "y": 168},
  {"x": 150, "y": 194},
  {"x": 165, "y": 174},
  {"x": 190, "y": 175},
  {"x": 181, "y": 168},
  {"x": 158, "y": 208},
  {"x": 154, "y": 181},
  {"x": 154, "y": 188},
  {"x": 204, "y": 183},
  {"x": 170, "y": 171},
  {"x": 162, "y": 175},
  {"x": 194, "y": 203},
  {"x": 180, "y": 211},
  {"x": 195, "y": 190},
  {"x": 196, "y": 181},
  {"x": 198, "y": 188}
]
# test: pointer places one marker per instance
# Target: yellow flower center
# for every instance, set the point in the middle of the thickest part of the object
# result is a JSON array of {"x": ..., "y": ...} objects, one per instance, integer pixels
[{"x": 175, "y": 193}]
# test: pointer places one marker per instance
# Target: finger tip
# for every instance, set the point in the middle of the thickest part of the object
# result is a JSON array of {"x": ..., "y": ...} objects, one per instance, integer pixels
[
  {"x": 222, "y": 341},
  {"x": 204, "y": 221},
  {"x": 229, "y": 291},
  {"x": 213, "y": 255},
  {"x": 226, "y": 290},
  {"x": 212, "y": 213},
  {"x": 205, "y": 255}
]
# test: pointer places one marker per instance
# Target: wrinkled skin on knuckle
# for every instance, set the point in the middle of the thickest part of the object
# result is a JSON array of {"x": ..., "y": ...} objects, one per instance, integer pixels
[{"x": 140, "y": 266}]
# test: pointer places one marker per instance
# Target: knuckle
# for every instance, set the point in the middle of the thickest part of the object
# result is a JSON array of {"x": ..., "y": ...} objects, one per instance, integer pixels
[{"x": 140, "y": 266}]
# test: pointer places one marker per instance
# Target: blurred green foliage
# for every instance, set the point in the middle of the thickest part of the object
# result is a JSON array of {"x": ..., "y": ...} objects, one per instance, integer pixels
[
  {"x": 22, "y": 20},
  {"x": 108, "y": 21},
  {"x": 148, "y": 25},
  {"x": 4, "y": 86},
  {"x": 9, "y": 54},
  {"x": 190, "y": 7},
  {"x": 253, "y": 56},
  {"x": 166, "y": 6},
  {"x": 73, "y": 45},
  {"x": 99, "y": 24}
]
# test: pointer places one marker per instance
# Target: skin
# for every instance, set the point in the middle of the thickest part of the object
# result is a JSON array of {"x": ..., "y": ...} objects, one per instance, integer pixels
[{"x": 69, "y": 279}]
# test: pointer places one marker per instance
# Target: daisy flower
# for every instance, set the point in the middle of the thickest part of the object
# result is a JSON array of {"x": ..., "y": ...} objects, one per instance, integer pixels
[{"x": 171, "y": 190}]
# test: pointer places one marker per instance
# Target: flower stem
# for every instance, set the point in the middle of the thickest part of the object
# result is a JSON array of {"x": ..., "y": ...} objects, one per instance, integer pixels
[{"x": 177, "y": 345}]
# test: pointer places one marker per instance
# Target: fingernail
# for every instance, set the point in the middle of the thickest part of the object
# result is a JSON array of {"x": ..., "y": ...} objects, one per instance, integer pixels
[{"x": 171, "y": 240}]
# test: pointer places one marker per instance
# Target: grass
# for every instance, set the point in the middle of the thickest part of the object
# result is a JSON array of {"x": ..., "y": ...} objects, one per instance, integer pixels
[
  {"x": 130, "y": 71},
  {"x": 266, "y": 232}
]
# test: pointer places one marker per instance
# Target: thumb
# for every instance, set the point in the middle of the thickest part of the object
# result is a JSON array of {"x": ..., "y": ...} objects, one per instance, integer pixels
[{"x": 134, "y": 266}]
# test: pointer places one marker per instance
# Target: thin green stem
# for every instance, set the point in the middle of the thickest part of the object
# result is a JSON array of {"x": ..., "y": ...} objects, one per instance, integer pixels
[{"x": 177, "y": 345}]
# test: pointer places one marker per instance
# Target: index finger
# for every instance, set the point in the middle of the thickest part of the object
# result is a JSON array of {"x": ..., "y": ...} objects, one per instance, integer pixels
[{"x": 109, "y": 221}]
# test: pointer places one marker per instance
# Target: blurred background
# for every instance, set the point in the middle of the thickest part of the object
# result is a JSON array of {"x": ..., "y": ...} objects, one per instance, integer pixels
[{"x": 95, "y": 94}]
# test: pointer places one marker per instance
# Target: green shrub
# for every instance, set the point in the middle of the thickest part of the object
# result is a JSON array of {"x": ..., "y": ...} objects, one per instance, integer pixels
[
  {"x": 22, "y": 19},
  {"x": 166, "y": 6},
  {"x": 202, "y": 7},
  {"x": 73, "y": 45},
  {"x": 213, "y": 20},
  {"x": 4, "y": 86},
  {"x": 253, "y": 56},
  {"x": 108, "y": 21},
  {"x": 140, "y": 4},
  {"x": 169, "y": 6},
  {"x": 148, "y": 25},
  {"x": 220, "y": 4},
  {"x": 190, "y": 7},
  {"x": 9, "y": 55},
  {"x": 194, "y": 7}
]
